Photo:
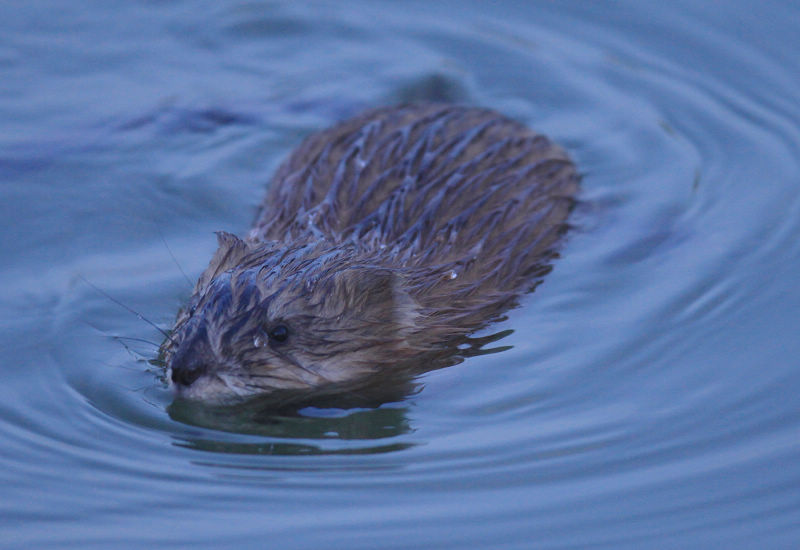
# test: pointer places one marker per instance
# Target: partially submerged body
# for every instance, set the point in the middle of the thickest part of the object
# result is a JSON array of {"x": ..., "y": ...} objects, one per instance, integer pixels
[{"x": 381, "y": 242}]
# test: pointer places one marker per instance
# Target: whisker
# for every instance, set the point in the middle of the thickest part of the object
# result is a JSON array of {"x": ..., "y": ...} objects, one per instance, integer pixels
[
  {"x": 273, "y": 377},
  {"x": 120, "y": 340},
  {"x": 132, "y": 339},
  {"x": 174, "y": 259},
  {"x": 130, "y": 309},
  {"x": 301, "y": 367},
  {"x": 133, "y": 353}
]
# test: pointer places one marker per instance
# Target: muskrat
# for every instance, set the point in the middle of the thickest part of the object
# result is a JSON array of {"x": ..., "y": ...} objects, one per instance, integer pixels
[{"x": 381, "y": 241}]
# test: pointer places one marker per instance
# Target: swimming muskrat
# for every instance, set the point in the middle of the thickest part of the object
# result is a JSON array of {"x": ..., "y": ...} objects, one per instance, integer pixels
[{"x": 381, "y": 241}]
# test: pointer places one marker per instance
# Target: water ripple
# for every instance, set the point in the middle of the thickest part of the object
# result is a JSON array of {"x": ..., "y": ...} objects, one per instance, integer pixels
[{"x": 648, "y": 398}]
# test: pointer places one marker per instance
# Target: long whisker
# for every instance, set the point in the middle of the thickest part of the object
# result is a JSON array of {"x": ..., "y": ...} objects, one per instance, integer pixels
[
  {"x": 121, "y": 340},
  {"x": 291, "y": 360},
  {"x": 273, "y": 377},
  {"x": 174, "y": 259},
  {"x": 132, "y": 339},
  {"x": 130, "y": 309},
  {"x": 133, "y": 353}
]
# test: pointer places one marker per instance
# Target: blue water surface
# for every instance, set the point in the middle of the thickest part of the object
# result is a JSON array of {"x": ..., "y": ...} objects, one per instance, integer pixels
[{"x": 650, "y": 396}]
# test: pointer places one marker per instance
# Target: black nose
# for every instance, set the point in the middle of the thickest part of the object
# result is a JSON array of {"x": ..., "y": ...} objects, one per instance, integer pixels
[
  {"x": 185, "y": 376},
  {"x": 191, "y": 360}
]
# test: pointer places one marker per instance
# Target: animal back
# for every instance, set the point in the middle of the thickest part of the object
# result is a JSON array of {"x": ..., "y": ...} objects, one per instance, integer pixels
[{"x": 433, "y": 184}]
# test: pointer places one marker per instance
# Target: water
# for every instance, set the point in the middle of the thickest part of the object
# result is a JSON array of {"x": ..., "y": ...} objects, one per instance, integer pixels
[{"x": 650, "y": 395}]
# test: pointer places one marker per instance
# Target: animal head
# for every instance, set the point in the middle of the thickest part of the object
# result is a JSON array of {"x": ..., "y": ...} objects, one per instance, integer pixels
[{"x": 264, "y": 318}]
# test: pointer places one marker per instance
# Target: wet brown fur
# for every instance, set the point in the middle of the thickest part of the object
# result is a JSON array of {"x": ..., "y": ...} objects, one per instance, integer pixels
[{"x": 381, "y": 240}]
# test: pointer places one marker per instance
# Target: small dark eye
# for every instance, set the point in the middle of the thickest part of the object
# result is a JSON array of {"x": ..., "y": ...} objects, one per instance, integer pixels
[{"x": 279, "y": 333}]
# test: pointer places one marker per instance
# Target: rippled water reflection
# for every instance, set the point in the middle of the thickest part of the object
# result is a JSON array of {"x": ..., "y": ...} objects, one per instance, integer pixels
[{"x": 645, "y": 396}]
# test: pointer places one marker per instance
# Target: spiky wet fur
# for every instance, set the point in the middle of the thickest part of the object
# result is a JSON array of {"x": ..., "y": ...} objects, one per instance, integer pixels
[{"x": 381, "y": 240}]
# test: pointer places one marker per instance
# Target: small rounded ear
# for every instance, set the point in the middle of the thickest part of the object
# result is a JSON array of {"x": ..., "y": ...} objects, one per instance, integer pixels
[{"x": 230, "y": 252}]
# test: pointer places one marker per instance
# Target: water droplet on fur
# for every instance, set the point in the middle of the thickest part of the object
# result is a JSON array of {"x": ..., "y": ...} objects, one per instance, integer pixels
[
  {"x": 452, "y": 274},
  {"x": 258, "y": 341}
]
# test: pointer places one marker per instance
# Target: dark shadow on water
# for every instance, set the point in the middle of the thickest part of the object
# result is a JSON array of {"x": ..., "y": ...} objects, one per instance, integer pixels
[
  {"x": 366, "y": 419},
  {"x": 367, "y": 431},
  {"x": 436, "y": 87}
]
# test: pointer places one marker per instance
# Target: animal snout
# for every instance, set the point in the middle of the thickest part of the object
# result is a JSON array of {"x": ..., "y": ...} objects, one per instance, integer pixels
[
  {"x": 191, "y": 360},
  {"x": 185, "y": 375}
]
